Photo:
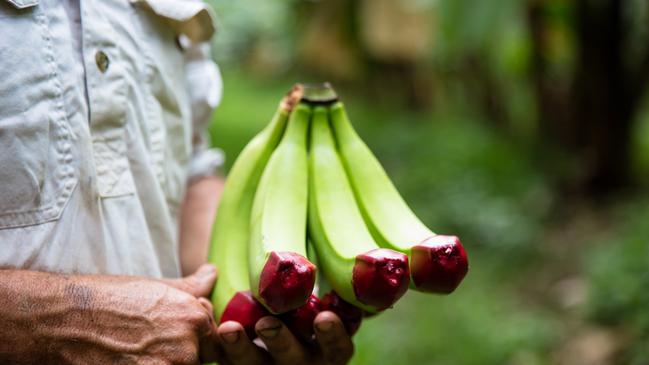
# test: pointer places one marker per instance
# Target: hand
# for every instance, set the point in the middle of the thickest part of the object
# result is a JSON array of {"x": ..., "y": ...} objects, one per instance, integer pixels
[
  {"x": 333, "y": 345},
  {"x": 93, "y": 319}
]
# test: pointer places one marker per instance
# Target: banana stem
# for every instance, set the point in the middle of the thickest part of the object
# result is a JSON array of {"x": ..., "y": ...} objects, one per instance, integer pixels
[
  {"x": 319, "y": 94},
  {"x": 292, "y": 97}
]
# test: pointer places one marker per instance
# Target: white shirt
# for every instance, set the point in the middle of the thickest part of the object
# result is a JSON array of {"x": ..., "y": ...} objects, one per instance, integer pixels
[{"x": 99, "y": 101}]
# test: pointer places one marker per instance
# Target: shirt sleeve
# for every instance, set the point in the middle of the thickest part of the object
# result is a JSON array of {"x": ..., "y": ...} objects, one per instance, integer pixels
[{"x": 205, "y": 90}]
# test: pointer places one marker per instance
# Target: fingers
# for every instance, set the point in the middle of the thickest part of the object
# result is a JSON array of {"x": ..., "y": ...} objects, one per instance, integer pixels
[
  {"x": 199, "y": 284},
  {"x": 237, "y": 346},
  {"x": 209, "y": 344},
  {"x": 283, "y": 347},
  {"x": 207, "y": 305},
  {"x": 334, "y": 342}
]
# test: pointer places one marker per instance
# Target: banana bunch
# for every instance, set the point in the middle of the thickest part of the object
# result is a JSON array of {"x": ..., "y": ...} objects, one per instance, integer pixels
[{"x": 307, "y": 192}]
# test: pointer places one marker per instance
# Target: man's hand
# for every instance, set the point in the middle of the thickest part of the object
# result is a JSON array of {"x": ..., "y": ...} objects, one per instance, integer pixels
[
  {"x": 97, "y": 319},
  {"x": 333, "y": 346}
]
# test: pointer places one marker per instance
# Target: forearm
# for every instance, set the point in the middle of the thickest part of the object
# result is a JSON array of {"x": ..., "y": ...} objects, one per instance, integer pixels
[
  {"x": 196, "y": 218},
  {"x": 36, "y": 314},
  {"x": 27, "y": 303},
  {"x": 51, "y": 318}
]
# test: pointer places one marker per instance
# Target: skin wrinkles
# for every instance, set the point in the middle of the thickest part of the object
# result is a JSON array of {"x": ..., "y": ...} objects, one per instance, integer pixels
[
  {"x": 101, "y": 336},
  {"x": 104, "y": 321},
  {"x": 26, "y": 306},
  {"x": 127, "y": 296},
  {"x": 76, "y": 338},
  {"x": 71, "y": 356},
  {"x": 80, "y": 337},
  {"x": 99, "y": 319},
  {"x": 156, "y": 305},
  {"x": 80, "y": 295}
]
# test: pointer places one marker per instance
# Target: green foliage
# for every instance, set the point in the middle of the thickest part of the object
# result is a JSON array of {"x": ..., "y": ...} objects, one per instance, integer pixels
[
  {"x": 618, "y": 272},
  {"x": 244, "y": 23},
  {"x": 640, "y": 147},
  {"x": 480, "y": 324},
  {"x": 469, "y": 27},
  {"x": 487, "y": 44}
]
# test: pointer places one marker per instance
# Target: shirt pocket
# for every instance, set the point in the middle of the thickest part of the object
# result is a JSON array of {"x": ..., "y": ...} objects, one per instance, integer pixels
[
  {"x": 36, "y": 172},
  {"x": 168, "y": 121}
]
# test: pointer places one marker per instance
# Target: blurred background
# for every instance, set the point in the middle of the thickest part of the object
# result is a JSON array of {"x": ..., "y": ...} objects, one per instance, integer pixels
[{"x": 520, "y": 125}]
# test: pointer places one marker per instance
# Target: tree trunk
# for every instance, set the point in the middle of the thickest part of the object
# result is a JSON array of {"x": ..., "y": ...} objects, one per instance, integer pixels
[
  {"x": 603, "y": 101},
  {"x": 591, "y": 117}
]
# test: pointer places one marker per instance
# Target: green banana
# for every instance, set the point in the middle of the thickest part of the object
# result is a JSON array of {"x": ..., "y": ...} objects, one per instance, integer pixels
[
  {"x": 360, "y": 272},
  {"x": 437, "y": 263},
  {"x": 350, "y": 315},
  {"x": 230, "y": 232},
  {"x": 281, "y": 277}
]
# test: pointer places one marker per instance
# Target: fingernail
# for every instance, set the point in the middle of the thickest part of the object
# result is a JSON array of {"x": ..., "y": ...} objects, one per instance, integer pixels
[
  {"x": 206, "y": 270},
  {"x": 325, "y": 326},
  {"x": 270, "y": 332},
  {"x": 230, "y": 337}
]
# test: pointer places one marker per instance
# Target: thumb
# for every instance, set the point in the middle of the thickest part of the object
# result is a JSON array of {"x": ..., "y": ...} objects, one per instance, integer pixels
[{"x": 198, "y": 284}]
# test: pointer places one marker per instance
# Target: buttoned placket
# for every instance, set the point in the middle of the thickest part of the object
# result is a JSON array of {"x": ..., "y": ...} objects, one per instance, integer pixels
[{"x": 106, "y": 99}]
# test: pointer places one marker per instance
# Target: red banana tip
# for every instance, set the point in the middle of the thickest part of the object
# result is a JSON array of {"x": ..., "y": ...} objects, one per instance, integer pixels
[
  {"x": 380, "y": 277},
  {"x": 286, "y": 281},
  {"x": 300, "y": 321},
  {"x": 438, "y": 264},
  {"x": 243, "y": 308},
  {"x": 350, "y": 315}
]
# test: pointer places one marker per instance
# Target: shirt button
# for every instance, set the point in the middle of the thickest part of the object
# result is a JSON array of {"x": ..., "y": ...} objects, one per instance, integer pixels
[{"x": 102, "y": 61}]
